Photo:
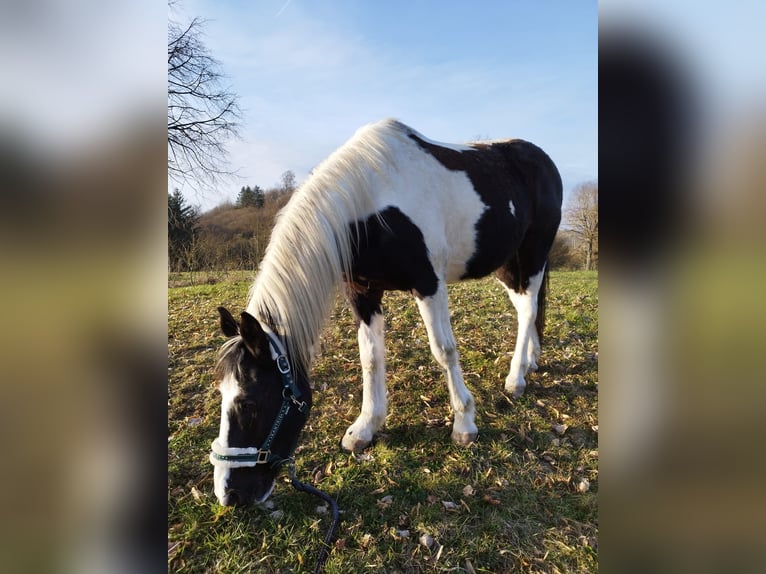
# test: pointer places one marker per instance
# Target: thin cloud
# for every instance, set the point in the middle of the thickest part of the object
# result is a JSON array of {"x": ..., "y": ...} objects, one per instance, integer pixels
[{"x": 282, "y": 9}]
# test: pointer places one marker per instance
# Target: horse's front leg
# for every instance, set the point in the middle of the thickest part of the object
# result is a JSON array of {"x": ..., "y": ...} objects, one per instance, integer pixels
[
  {"x": 372, "y": 356},
  {"x": 435, "y": 313}
]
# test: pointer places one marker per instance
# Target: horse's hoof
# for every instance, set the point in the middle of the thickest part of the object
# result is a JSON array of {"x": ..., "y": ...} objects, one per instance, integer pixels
[
  {"x": 514, "y": 387},
  {"x": 464, "y": 438},
  {"x": 515, "y": 392},
  {"x": 354, "y": 445}
]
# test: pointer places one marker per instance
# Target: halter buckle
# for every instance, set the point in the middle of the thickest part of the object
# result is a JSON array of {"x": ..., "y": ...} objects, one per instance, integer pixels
[
  {"x": 283, "y": 365},
  {"x": 263, "y": 456}
]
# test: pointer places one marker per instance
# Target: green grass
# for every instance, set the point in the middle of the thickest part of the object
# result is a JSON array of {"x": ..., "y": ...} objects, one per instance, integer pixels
[{"x": 517, "y": 507}]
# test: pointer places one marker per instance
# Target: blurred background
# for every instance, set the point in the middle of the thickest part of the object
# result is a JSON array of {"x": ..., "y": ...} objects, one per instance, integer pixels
[
  {"x": 83, "y": 268},
  {"x": 682, "y": 128}
]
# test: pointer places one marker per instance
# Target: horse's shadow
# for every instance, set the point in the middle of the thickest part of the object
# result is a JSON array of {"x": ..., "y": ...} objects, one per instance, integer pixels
[{"x": 560, "y": 368}]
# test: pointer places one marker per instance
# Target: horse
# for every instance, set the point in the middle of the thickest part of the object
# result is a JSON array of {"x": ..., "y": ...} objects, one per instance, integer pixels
[{"x": 388, "y": 210}]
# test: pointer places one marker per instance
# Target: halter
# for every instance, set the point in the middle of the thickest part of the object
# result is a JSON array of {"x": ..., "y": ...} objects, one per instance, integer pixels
[{"x": 236, "y": 457}]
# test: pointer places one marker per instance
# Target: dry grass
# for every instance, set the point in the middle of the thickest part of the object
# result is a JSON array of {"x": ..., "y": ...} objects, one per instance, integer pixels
[{"x": 522, "y": 499}]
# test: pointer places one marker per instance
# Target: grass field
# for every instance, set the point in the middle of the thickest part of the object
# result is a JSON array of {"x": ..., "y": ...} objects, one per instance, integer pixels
[{"x": 521, "y": 499}]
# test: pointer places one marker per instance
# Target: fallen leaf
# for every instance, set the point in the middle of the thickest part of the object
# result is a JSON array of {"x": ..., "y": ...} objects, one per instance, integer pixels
[
  {"x": 196, "y": 493},
  {"x": 582, "y": 485},
  {"x": 366, "y": 540},
  {"x": 491, "y": 500},
  {"x": 468, "y": 490},
  {"x": 386, "y": 501},
  {"x": 426, "y": 540},
  {"x": 448, "y": 505},
  {"x": 560, "y": 429}
]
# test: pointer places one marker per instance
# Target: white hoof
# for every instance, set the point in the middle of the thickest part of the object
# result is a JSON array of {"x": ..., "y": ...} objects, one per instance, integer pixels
[
  {"x": 355, "y": 439},
  {"x": 515, "y": 385}
]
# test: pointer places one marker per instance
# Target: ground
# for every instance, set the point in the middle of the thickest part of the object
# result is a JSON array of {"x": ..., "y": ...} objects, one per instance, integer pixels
[{"x": 521, "y": 499}]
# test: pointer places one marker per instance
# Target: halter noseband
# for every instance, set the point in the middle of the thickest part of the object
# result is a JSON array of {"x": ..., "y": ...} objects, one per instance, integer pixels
[{"x": 236, "y": 457}]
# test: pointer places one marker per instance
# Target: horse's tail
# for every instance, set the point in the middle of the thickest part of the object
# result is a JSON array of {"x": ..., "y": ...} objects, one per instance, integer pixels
[{"x": 541, "y": 296}]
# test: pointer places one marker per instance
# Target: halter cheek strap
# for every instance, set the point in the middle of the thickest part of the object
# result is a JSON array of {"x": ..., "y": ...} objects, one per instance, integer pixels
[{"x": 237, "y": 457}]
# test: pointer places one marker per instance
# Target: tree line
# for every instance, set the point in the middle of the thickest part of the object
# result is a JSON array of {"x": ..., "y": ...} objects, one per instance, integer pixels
[
  {"x": 228, "y": 237},
  {"x": 235, "y": 235}
]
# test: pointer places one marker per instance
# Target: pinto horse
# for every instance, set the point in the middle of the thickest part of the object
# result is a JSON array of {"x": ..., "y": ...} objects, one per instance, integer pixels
[{"x": 389, "y": 210}]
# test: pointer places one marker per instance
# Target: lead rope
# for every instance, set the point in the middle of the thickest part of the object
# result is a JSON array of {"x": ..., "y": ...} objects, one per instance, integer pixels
[{"x": 324, "y": 552}]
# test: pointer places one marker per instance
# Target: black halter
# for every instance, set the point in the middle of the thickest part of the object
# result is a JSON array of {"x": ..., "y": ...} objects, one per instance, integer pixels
[{"x": 291, "y": 395}]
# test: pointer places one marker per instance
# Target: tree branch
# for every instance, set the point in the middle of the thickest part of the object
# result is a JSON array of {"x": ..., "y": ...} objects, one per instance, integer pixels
[{"x": 202, "y": 114}]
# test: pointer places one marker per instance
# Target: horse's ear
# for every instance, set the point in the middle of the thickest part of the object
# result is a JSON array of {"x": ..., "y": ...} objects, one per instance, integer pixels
[
  {"x": 229, "y": 325},
  {"x": 254, "y": 338}
]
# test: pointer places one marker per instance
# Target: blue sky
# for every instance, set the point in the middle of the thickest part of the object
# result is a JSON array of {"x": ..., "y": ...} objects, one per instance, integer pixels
[{"x": 310, "y": 73}]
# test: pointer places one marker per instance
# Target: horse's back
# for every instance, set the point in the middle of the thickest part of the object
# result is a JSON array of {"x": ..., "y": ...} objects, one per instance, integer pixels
[
  {"x": 541, "y": 178},
  {"x": 468, "y": 207}
]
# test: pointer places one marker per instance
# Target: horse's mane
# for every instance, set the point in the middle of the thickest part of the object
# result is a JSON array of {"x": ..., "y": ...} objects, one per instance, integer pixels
[{"x": 311, "y": 245}]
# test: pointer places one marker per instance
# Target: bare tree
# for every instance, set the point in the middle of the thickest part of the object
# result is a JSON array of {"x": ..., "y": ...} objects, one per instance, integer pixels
[
  {"x": 202, "y": 113},
  {"x": 581, "y": 217},
  {"x": 287, "y": 182}
]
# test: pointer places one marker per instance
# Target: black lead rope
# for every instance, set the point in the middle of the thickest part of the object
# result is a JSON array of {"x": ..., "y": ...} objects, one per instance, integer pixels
[
  {"x": 291, "y": 396},
  {"x": 324, "y": 552}
]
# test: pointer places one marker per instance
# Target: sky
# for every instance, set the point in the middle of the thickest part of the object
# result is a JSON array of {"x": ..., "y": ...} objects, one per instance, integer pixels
[{"x": 309, "y": 74}]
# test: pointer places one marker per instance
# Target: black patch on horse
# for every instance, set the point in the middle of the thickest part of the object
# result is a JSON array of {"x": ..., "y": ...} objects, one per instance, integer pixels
[{"x": 390, "y": 254}]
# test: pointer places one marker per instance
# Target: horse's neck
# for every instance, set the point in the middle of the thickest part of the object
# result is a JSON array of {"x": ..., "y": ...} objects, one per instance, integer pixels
[
  {"x": 311, "y": 249},
  {"x": 294, "y": 311}
]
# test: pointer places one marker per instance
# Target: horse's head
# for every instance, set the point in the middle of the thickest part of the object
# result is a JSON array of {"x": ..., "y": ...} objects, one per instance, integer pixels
[{"x": 264, "y": 407}]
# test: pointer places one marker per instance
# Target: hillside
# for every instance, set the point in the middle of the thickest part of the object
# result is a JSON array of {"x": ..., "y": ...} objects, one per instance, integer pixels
[{"x": 232, "y": 237}]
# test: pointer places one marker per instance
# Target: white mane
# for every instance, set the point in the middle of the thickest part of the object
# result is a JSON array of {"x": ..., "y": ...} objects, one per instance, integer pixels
[{"x": 310, "y": 248}]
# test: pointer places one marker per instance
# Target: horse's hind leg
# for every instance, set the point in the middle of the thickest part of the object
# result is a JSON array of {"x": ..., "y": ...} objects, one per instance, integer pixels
[
  {"x": 435, "y": 313},
  {"x": 366, "y": 307},
  {"x": 525, "y": 301}
]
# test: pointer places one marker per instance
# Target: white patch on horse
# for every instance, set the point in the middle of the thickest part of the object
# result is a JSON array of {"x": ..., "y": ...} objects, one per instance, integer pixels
[
  {"x": 435, "y": 313},
  {"x": 230, "y": 389},
  {"x": 374, "y": 400},
  {"x": 527, "y": 341},
  {"x": 445, "y": 209},
  {"x": 512, "y": 208},
  {"x": 452, "y": 146}
]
